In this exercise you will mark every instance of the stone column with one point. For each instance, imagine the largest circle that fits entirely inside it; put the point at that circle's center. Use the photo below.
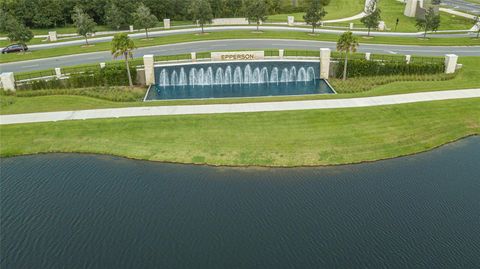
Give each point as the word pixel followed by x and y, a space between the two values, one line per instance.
pixel 324 63
pixel 281 53
pixel 166 23
pixel 381 26
pixel 290 20
pixel 58 72
pixel 131 28
pixel 194 56
pixel 52 36
pixel 450 63
pixel 408 58
pixel 410 8
pixel 148 64
pixel 8 81
pixel 367 56
pixel 351 26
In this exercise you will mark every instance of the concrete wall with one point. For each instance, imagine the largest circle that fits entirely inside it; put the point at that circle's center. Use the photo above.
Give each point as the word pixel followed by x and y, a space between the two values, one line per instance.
pixel 229 21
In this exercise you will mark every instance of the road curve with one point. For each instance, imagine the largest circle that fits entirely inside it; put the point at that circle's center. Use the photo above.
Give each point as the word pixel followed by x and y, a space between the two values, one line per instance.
pixel 172 49
pixel 236 28
pixel 238 108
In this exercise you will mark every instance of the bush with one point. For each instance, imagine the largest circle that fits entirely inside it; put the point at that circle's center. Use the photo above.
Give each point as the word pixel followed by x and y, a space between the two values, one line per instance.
pixel 109 76
pixel 360 68
pixel 116 94
pixel 362 84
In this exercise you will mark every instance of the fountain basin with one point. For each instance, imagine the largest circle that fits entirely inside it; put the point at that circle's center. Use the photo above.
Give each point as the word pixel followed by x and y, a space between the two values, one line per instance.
pixel 237 79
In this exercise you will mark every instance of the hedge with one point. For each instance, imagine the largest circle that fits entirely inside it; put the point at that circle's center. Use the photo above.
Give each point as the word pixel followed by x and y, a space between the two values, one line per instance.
pixel 359 68
pixel 108 76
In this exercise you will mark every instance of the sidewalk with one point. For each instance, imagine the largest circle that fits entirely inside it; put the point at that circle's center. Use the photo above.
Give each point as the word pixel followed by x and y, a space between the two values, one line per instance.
pixel 238 108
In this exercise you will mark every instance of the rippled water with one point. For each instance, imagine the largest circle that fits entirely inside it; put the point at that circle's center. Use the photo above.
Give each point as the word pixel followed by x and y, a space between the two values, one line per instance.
pixel 87 211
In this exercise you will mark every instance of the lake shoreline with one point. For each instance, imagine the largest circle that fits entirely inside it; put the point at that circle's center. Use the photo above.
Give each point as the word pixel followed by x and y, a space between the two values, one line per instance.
pixel 247 166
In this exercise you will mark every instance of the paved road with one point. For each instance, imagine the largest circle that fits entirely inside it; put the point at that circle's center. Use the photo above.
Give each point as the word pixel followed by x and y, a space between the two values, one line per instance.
pixel 237 108
pixel 463 5
pixel 172 49
pixel 236 28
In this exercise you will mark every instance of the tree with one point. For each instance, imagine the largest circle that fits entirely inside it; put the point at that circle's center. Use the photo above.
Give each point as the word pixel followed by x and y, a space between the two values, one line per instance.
pixel 47 13
pixel 144 19
pixel 347 43
pixel 84 24
pixel 256 11
pixel 201 12
pixel 315 14
pixel 122 45
pixel 17 32
pixel 373 17
pixel 476 22
pixel 431 22
pixel 114 17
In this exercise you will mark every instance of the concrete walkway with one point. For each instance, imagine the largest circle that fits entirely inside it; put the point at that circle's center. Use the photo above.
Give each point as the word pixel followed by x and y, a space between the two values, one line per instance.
pixel 352 18
pixel 238 108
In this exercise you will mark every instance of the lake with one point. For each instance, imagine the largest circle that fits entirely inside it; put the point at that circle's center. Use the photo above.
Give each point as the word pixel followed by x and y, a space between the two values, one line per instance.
pixel 93 211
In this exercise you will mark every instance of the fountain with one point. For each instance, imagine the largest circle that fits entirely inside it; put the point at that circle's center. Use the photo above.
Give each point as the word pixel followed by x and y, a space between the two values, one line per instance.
pixel 235 79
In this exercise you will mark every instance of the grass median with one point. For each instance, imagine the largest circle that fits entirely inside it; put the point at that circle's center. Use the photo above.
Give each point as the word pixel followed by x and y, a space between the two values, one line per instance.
pixel 296 138
pixel 240 34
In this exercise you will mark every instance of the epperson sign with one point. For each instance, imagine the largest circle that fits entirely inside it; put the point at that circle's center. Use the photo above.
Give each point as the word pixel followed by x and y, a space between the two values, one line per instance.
pixel 238 56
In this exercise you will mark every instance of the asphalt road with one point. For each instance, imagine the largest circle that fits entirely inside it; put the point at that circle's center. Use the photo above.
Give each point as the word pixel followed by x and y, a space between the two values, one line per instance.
pixel 220 45
pixel 462 5
pixel 237 28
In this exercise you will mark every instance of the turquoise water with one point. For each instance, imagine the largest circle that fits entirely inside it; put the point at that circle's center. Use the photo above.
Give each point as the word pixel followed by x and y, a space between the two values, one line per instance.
pixel 237 79
pixel 93 211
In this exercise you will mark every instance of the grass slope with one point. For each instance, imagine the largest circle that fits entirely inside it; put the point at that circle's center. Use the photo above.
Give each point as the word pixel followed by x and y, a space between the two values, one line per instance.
pixel 314 137
pixel 337 9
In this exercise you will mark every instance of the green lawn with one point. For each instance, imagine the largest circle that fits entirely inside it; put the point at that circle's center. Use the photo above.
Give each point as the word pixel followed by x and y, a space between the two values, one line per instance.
pixel 337 9
pixel 392 9
pixel 314 137
pixel 241 34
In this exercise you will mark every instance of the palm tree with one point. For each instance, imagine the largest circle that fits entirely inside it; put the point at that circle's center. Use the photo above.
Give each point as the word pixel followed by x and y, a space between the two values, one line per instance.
pixel 347 43
pixel 122 45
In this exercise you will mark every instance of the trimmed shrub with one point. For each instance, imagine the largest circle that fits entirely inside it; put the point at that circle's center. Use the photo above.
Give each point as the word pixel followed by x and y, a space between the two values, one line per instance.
pixel 117 94
pixel 115 75
pixel 361 68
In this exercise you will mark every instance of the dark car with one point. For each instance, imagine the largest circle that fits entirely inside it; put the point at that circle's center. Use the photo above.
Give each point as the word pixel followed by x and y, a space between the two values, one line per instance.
pixel 14 48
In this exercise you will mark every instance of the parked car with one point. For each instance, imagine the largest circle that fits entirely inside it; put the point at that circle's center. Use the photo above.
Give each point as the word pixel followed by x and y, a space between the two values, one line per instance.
pixel 14 48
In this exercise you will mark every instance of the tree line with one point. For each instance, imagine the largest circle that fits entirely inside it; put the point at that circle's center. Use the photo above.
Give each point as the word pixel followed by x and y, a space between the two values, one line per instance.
pixel 118 13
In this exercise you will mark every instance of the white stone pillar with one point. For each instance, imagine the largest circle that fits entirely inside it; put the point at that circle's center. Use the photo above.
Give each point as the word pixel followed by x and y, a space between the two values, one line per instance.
pixel 52 36
pixel 166 23
pixel 8 81
pixel 351 26
pixel 381 26
pixel 281 52
pixel 367 56
pixel 324 63
pixel 102 65
pixel 450 63
pixel 148 64
pixel 410 8
pixel 194 56
pixel 58 72
pixel 131 28
pixel 408 58
pixel 291 20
